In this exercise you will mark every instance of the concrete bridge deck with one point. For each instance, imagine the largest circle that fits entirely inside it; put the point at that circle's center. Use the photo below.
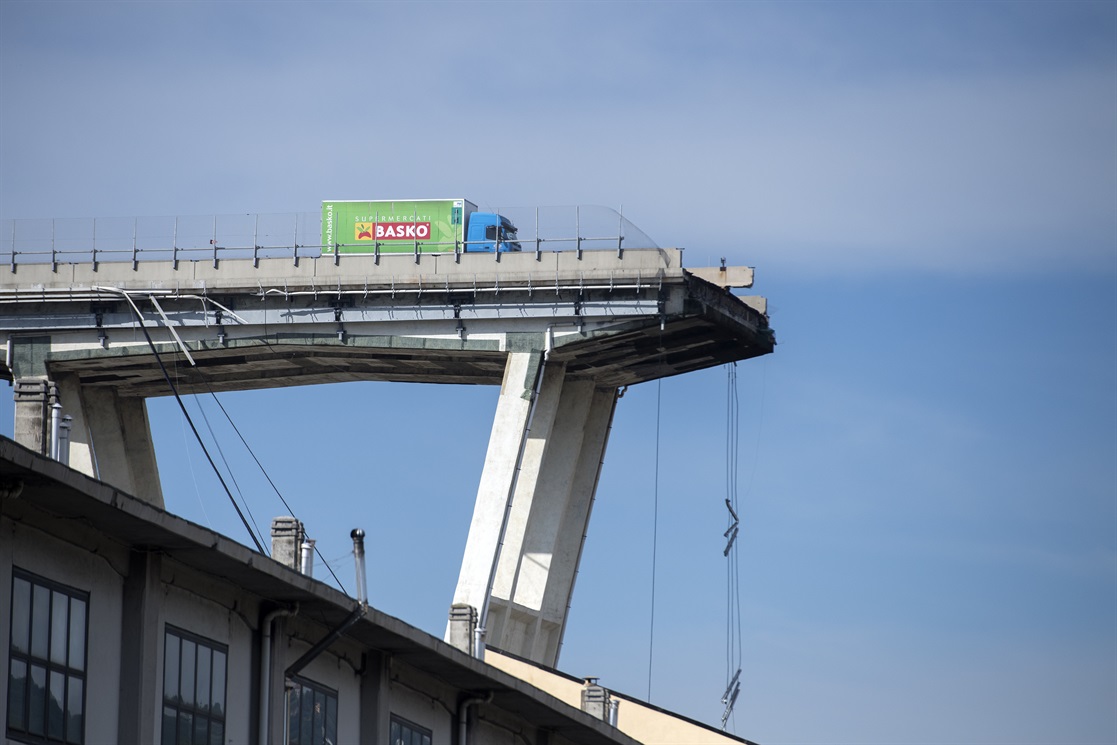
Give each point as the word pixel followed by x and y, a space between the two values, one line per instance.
pixel 618 321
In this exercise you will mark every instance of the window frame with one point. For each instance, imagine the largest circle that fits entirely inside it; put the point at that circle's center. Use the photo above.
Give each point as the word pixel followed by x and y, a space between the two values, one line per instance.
pixel 300 683
pixel 425 735
pixel 53 669
pixel 192 709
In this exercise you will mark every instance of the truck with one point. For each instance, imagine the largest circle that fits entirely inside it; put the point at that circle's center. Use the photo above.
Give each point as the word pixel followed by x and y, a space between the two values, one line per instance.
pixel 413 226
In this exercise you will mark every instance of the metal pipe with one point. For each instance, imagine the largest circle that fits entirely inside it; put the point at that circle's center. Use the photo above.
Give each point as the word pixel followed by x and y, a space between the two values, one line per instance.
pixel 265 670
pixel 55 426
pixel 358 537
pixel 463 714
pixel 307 560
pixel 64 439
pixel 479 641
pixel 294 668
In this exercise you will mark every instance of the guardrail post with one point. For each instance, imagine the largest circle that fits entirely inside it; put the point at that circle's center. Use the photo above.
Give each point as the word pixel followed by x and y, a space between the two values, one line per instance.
pixel 295 240
pixel 578 231
pixel 620 233
pixel 538 243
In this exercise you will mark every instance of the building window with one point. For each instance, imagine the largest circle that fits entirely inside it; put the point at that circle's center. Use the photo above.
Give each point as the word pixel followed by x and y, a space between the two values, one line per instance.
pixel 193 689
pixel 406 733
pixel 312 714
pixel 46 667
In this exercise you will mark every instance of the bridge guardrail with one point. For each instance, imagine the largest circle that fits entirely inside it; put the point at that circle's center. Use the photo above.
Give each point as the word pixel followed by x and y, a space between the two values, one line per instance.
pixel 258 236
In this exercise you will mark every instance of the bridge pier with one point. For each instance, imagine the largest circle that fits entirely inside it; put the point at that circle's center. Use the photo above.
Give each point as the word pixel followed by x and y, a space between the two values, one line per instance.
pixel 110 437
pixel 545 452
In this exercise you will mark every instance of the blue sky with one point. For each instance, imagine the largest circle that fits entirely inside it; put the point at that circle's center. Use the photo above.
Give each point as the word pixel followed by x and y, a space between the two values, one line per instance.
pixel 928 192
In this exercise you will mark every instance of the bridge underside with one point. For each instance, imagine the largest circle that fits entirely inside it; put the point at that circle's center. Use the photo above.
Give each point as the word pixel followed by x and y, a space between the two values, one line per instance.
pixel 560 339
pixel 624 354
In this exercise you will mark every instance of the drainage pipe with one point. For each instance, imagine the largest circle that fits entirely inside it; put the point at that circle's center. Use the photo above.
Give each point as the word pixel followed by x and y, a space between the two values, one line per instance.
pixel 265 669
pixel 463 714
pixel 64 439
pixel 55 426
pixel 358 613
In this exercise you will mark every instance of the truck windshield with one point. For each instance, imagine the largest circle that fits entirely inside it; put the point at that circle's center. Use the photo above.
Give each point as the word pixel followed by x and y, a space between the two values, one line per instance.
pixel 508 234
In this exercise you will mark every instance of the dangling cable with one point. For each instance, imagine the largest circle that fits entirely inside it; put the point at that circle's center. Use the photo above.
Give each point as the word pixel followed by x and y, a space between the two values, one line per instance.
pixel 228 468
pixel 185 413
pixel 276 489
pixel 732 573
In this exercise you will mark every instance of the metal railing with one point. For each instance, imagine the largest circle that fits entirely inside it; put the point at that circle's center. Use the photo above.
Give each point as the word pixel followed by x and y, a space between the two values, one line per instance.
pixel 292 236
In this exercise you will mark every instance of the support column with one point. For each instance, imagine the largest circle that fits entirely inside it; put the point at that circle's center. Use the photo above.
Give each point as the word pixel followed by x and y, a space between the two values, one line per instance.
pixel 375 689
pixel 277 695
pixel 141 647
pixel 110 438
pixel 571 537
pixel 537 557
pixel 513 410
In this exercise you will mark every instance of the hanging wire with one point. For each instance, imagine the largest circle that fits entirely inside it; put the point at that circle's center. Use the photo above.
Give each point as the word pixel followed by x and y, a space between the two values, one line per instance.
pixel 276 489
pixel 228 468
pixel 732 574
pixel 185 413
pixel 655 530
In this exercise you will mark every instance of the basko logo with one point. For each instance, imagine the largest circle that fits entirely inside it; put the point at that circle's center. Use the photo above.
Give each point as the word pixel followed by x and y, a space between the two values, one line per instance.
pixel 392 231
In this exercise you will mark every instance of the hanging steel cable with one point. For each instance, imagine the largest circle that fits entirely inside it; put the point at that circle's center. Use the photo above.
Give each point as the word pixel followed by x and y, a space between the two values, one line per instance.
pixel 732 573
pixel 276 488
pixel 228 468
pixel 190 421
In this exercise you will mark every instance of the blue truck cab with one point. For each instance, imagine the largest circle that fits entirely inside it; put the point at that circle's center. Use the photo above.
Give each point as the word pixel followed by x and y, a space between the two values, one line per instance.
pixel 490 232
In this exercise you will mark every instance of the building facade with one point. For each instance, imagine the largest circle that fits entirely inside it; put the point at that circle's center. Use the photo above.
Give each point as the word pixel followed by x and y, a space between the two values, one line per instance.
pixel 122 623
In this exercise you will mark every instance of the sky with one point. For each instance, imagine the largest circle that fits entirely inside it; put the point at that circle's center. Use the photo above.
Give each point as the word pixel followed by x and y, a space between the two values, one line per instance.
pixel 928 191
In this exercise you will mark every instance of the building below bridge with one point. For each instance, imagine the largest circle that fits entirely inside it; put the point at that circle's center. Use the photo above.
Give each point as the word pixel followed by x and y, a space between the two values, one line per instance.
pixel 123 623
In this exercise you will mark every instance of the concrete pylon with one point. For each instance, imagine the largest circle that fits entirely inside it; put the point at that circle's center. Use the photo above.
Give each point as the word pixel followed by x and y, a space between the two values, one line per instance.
pixel 110 438
pixel 533 504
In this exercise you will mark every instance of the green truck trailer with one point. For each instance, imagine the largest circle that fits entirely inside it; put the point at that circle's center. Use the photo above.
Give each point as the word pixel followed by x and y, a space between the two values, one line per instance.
pixel 413 226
